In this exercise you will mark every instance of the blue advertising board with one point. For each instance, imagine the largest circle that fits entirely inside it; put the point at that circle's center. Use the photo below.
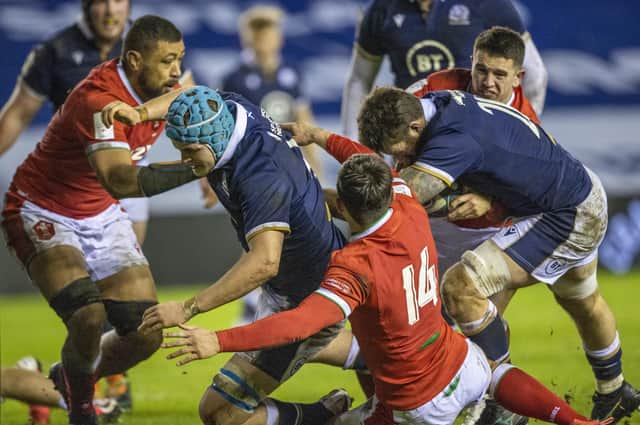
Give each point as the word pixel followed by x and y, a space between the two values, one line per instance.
pixel 591 50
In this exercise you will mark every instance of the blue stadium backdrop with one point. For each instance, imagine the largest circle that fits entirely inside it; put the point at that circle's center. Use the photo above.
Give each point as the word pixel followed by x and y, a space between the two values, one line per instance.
pixel 591 50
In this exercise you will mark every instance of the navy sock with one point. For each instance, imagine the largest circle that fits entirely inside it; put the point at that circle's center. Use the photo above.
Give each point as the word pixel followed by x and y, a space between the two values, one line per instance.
pixel 493 340
pixel 606 369
pixel 301 414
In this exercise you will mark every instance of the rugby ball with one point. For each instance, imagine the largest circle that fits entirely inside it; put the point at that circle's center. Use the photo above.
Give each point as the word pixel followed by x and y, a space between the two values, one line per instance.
pixel 440 204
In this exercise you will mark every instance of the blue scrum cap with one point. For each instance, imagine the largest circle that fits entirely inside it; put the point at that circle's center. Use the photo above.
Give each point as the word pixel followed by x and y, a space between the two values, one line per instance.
pixel 200 115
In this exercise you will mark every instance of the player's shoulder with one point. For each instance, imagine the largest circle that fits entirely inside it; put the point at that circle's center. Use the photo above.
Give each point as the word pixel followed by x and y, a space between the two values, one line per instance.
pixel 103 82
pixel 238 71
pixel 405 205
pixel 354 257
pixel 68 39
pixel 450 79
pixel 521 103
pixel 379 9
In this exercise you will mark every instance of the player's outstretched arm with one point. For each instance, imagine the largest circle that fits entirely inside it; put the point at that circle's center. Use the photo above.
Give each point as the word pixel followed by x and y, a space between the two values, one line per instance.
pixel 313 314
pixel 254 268
pixel 152 110
pixel 17 114
pixel 122 179
pixel 305 133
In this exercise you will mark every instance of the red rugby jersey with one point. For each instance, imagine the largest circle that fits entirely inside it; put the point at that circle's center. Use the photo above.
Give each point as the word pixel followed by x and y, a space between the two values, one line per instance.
pixel 57 174
pixel 460 79
pixel 386 281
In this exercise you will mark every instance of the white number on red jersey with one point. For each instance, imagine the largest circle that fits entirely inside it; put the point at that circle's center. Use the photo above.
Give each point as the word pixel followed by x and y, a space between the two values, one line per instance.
pixel 426 290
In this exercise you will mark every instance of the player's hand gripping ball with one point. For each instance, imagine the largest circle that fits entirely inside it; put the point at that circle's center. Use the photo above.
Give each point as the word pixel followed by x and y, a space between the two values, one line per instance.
pixel 439 206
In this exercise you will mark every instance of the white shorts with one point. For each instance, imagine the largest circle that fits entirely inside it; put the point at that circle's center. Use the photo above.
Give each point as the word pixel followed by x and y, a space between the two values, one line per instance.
pixel 469 385
pixel 548 245
pixel 106 240
pixel 136 208
pixel 452 241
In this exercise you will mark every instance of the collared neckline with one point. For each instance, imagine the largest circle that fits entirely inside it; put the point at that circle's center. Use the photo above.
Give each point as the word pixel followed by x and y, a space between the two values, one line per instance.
pixel 127 83
pixel 374 227
pixel 239 130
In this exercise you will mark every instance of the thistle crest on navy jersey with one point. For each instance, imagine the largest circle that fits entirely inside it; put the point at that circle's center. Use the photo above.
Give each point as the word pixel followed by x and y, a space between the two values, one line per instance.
pixel 419 45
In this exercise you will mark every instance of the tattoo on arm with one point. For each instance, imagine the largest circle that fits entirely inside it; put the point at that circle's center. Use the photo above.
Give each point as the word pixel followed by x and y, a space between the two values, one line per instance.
pixel 423 184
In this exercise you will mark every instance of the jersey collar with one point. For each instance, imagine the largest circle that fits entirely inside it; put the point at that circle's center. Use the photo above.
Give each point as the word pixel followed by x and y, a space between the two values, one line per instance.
pixel 375 226
pixel 127 84
pixel 512 98
pixel 238 134
pixel 429 109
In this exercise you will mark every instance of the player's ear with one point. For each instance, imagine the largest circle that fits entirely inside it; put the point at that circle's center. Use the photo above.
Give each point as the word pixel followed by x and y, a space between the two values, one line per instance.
pixel 133 59
pixel 417 125
pixel 519 76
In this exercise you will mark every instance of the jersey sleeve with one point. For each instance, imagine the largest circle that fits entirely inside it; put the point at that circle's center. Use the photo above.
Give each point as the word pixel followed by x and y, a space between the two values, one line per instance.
pixel 448 156
pixel 312 315
pixel 94 135
pixel 419 88
pixel 344 288
pixel 265 199
pixel 36 71
pixel 369 33
pixel 503 13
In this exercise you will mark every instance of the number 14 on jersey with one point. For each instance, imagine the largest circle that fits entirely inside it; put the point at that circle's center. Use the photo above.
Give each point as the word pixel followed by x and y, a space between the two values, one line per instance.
pixel 426 290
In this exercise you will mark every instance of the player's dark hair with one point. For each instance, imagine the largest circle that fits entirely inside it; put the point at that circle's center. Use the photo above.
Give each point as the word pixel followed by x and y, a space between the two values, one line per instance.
pixel 386 115
pixel 502 42
pixel 259 23
pixel 364 186
pixel 147 31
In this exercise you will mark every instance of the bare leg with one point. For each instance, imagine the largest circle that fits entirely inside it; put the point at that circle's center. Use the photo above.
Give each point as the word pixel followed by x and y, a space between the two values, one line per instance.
pixel 28 386
pixel 120 353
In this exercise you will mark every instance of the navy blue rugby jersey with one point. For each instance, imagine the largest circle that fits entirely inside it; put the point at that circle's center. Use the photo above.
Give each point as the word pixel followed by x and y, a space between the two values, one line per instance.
pixel 444 39
pixel 497 150
pixel 264 183
pixel 54 67
pixel 277 95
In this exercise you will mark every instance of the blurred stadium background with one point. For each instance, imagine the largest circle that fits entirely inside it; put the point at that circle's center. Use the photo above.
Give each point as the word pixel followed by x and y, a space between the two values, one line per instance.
pixel 592 52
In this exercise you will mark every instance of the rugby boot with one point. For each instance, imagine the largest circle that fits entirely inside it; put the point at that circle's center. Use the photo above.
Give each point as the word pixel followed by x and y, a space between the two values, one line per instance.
pixel 56 374
pixel 337 401
pixel 618 404
pixel 494 414
pixel 107 410
pixel 39 415
pixel 119 387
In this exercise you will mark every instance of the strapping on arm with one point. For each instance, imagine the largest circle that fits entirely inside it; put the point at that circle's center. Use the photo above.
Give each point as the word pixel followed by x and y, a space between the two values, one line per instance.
pixel 158 178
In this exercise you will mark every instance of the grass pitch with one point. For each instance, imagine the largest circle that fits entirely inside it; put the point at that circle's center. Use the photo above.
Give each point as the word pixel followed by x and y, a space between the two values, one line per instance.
pixel 543 342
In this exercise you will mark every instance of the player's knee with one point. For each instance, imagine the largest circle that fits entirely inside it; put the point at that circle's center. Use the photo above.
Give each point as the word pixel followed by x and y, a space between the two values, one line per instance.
pixel 74 297
pixel 212 413
pixel 146 344
pixel 241 398
pixel 457 287
pixel 87 321
pixel 126 316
